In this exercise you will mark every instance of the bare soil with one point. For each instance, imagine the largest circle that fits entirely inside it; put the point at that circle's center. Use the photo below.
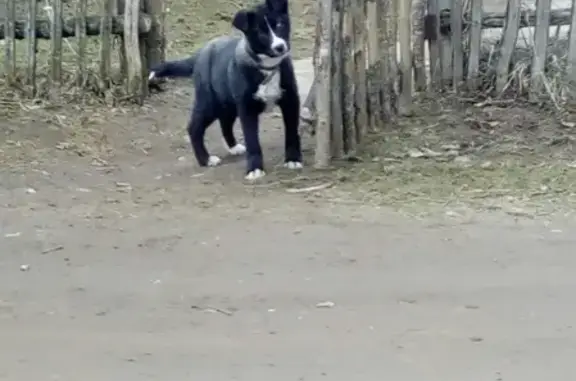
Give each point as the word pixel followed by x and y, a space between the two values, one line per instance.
pixel 445 254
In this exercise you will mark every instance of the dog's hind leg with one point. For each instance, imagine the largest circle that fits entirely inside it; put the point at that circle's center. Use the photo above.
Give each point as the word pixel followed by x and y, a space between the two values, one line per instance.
pixel 227 120
pixel 202 117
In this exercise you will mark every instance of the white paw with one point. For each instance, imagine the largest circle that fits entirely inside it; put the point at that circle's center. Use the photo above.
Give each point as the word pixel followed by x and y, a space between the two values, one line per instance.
pixel 238 149
pixel 151 75
pixel 293 165
pixel 255 174
pixel 214 161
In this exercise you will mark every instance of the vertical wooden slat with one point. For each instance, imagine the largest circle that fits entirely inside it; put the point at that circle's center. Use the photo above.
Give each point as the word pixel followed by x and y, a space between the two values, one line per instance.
pixel 81 9
pixel 418 58
pixel 404 29
pixel 32 45
pixel 322 154
pixel 388 58
pixel 337 134
pixel 144 50
pixel 445 49
pixel 106 42
pixel 571 64
pixel 10 41
pixel 155 40
pixel 348 86
pixel 540 45
pixel 56 42
pixel 393 53
pixel 373 77
pixel 361 121
pixel 120 6
pixel 134 74
pixel 434 45
pixel 457 39
pixel 507 44
pixel 475 44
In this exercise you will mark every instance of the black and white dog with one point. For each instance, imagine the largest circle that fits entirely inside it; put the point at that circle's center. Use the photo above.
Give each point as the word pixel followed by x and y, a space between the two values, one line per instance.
pixel 240 77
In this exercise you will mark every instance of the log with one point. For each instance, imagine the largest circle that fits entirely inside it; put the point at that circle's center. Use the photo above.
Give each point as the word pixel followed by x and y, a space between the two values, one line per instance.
pixel 498 20
pixel 69 27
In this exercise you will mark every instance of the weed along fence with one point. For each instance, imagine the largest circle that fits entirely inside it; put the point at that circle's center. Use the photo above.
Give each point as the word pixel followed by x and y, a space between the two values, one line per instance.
pixel 51 45
pixel 373 56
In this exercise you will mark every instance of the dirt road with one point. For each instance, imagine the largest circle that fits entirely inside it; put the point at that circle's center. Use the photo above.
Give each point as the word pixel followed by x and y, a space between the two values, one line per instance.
pixel 232 292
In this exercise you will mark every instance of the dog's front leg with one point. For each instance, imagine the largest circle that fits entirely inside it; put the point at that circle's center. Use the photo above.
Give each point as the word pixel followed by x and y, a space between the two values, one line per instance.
pixel 290 107
pixel 250 128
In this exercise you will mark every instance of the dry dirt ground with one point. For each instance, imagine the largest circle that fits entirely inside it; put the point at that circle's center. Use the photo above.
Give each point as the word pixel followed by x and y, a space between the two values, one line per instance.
pixel 120 259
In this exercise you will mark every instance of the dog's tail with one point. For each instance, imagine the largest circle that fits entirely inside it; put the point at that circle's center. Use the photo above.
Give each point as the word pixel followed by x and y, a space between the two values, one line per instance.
pixel 174 69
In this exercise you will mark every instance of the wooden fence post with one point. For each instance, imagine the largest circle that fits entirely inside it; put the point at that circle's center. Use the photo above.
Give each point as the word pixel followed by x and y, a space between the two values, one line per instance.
pixel 418 55
pixel 10 47
pixel 571 69
pixel 508 44
pixel 32 44
pixel 475 44
pixel 457 39
pixel 336 84
pixel 323 86
pixel 434 46
pixel 56 42
pixel 134 80
pixel 156 39
pixel 540 45
pixel 80 28
pixel 375 62
pixel 361 120
pixel 106 43
pixel 404 29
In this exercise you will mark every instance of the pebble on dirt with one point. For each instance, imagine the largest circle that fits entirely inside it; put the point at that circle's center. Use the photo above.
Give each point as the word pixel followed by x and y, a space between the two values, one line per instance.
pixel 326 304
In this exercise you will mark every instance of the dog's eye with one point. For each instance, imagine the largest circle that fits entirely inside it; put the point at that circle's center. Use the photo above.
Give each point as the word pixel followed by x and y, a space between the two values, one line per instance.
pixel 279 25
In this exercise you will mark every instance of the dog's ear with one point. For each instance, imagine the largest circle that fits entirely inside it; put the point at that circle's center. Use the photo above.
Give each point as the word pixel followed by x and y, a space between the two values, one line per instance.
pixel 243 20
pixel 278 5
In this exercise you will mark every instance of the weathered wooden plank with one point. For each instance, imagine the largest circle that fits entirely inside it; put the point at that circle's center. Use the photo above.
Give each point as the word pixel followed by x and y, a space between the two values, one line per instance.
pixel 361 120
pixel 540 45
pixel 404 38
pixel 434 44
pixel 457 40
pixel 348 85
pixel 571 61
pixel 56 42
pixel 156 38
pixel 508 44
pixel 106 43
pixel 10 46
pixel 475 44
pixel 80 33
pixel 323 92
pixel 445 41
pixel 134 80
pixel 32 45
pixel 373 75
pixel 43 27
pixel 418 43
pixel 498 19
pixel 336 50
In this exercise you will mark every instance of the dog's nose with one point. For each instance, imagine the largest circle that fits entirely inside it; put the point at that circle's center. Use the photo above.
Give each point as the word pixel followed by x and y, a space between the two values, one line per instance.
pixel 279 49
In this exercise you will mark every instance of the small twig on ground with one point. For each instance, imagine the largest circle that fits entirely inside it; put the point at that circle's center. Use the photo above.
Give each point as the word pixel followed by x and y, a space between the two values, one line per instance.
pixel 53 249
pixel 309 189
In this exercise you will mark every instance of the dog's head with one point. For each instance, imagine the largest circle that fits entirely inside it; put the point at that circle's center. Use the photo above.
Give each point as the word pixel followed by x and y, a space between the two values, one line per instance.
pixel 266 28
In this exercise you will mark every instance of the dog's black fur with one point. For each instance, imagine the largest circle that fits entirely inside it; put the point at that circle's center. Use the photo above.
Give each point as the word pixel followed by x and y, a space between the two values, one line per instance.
pixel 229 73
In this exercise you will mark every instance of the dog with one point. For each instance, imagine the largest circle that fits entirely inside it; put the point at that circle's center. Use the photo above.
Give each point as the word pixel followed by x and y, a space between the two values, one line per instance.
pixel 242 77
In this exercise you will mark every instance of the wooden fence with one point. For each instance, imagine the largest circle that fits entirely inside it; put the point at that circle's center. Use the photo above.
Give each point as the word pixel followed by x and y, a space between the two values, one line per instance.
pixel 138 24
pixel 370 60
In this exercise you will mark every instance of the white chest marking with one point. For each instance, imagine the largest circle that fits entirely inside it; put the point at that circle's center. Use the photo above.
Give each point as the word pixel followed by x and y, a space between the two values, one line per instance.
pixel 269 91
